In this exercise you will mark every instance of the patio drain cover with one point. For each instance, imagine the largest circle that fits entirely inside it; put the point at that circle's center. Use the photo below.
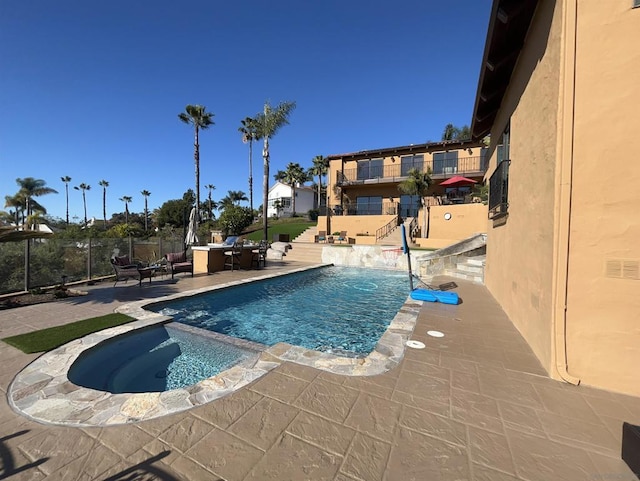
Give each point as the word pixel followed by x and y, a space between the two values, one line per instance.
pixel 415 344
pixel 435 333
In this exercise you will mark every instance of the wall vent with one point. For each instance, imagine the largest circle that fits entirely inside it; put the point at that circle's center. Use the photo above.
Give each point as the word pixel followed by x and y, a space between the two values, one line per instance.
pixel 622 269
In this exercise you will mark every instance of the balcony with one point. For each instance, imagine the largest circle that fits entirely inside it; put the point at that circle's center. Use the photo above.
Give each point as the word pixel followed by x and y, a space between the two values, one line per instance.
pixel 388 174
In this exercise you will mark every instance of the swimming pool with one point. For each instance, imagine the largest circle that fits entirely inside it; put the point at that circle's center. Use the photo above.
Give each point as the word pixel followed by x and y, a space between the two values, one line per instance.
pixel 156 359
pixel 42 390
pixel 338 310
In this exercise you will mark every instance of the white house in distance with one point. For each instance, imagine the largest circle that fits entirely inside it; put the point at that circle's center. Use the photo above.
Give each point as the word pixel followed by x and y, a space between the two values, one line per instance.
pixel 305 200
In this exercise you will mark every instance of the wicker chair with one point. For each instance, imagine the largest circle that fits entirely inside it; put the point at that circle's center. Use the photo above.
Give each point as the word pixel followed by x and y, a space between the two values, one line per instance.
pixel 178 262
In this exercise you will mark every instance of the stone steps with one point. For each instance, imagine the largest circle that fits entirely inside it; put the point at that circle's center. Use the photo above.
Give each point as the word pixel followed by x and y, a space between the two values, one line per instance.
pixel 308 235
pixel 469 268
pixel 305 252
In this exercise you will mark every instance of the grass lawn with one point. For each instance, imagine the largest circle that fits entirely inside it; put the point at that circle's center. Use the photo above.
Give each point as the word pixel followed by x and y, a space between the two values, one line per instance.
pixel 48 339
pixel 293 226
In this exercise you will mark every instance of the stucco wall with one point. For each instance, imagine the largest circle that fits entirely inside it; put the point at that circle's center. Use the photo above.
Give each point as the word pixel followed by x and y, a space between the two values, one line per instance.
pixel 603 327
pixel 465 220
pixel 520 252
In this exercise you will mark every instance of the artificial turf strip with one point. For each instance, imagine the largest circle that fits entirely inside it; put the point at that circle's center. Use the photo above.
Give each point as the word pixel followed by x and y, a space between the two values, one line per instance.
pixel 48 339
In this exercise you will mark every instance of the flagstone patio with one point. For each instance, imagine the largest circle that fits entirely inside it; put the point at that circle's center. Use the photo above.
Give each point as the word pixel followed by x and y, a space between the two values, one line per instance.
pixel 474 405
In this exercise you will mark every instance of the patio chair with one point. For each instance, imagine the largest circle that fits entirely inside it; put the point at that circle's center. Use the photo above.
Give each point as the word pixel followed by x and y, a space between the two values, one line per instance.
pixel 259 255
pixel 178 262
pixel 125 269
pixel 232 256
pixel 342 237
pixel 322 236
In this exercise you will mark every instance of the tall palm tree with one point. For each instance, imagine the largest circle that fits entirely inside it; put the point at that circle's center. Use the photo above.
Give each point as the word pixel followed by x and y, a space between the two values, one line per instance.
pixel 84 188
pixel 126 199
pixel 197 116
pixel 210 188
pixel 417 183
pixel 104 184
pixel 30 188
pixel 268 122
pixel 249 131
pixel 294 175
pixel 66 179
pixel 320 168
pixel 145 194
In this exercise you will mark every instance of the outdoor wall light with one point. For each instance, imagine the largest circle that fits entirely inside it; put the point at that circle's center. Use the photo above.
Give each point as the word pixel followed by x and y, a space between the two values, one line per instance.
pixel 447 216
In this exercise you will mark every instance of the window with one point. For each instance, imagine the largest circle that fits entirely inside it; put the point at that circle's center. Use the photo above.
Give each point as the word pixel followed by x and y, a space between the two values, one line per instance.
pixel 409 205
pixel 499 180
pixel 445 162
pixel 498 190
pixel 409 162
pixel 369 205
pixel 369 169
pixel 284 202
pixel 636 3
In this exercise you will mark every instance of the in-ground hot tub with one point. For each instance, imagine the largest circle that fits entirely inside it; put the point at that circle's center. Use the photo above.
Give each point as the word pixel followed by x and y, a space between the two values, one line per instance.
pixel 158 358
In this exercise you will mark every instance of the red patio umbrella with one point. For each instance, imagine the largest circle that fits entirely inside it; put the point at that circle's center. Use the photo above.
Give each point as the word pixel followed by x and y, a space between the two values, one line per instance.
pixel 457 181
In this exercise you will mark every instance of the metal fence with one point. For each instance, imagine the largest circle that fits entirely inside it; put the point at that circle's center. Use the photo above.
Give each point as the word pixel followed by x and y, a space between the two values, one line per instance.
pixel 47 262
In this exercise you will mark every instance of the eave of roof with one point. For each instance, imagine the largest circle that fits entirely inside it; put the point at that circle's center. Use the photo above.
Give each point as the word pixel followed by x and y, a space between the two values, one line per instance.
pixel 408 149
pixel 508 26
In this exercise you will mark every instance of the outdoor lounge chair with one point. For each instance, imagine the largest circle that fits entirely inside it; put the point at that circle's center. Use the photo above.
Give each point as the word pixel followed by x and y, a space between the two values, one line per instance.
pixel 125 269
pixel 342 237
pixel 322 236
pixel 178 262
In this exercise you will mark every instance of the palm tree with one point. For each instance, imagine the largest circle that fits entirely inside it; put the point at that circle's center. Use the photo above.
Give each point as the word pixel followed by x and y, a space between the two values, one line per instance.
pixel 320 168
pixel 18 202
pixel 210 188
pixel 145 194
pixel 84 187
pixel 126 199
pixel 104 184
pixel 292 176
pixel 30 188
pixel 248 129
pixel 417 183
pixel 235 197
pixel 66 179
pixel 268 122
pixel 197 116
pixel 451 132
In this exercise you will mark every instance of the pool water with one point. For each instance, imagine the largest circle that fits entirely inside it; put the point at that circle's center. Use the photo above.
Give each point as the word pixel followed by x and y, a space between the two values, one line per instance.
pixel 154 359
pixel 340 310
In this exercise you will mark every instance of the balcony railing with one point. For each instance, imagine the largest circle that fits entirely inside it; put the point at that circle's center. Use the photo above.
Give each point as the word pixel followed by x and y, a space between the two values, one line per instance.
pixel 378 208
pixel 395 173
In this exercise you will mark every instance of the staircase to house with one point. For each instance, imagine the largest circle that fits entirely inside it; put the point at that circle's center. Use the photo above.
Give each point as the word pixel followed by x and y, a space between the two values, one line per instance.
pixel 394 238
pixel 304 248
pixel 468 268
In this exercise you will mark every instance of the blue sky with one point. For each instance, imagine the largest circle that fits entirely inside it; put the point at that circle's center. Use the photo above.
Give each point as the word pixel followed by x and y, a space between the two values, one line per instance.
pixel 92 90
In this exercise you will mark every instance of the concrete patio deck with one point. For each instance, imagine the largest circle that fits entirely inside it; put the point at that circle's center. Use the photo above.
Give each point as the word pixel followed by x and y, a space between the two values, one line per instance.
pixel 474 405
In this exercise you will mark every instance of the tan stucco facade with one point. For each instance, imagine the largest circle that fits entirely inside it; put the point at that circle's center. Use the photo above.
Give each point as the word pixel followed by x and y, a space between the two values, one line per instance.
pixel 345 187
pixel 564 262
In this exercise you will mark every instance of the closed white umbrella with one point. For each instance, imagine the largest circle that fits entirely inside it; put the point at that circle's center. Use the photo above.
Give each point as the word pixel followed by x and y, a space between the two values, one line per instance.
pixel 192 237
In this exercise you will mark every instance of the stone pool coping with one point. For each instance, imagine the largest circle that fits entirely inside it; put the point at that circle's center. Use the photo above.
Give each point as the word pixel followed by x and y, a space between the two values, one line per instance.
pixel 43 392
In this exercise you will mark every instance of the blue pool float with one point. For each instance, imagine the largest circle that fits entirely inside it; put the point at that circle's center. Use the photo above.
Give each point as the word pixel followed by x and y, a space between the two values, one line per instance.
pixel 434 296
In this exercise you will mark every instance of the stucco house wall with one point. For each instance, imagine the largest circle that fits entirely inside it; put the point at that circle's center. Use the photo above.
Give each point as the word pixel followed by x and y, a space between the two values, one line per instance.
pixel 564 263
